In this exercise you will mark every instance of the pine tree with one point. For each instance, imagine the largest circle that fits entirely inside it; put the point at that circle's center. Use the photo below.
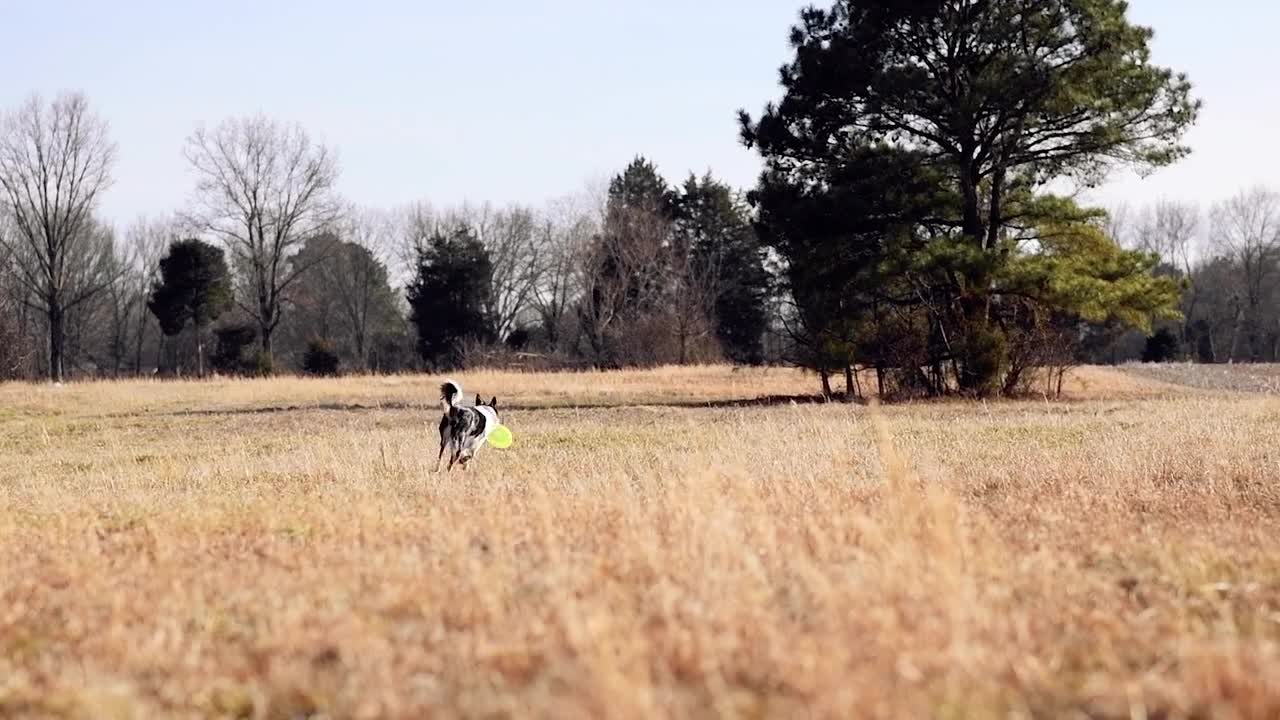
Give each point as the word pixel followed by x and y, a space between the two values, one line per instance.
pixel 448 295
pixel 194 288
pixel 992 120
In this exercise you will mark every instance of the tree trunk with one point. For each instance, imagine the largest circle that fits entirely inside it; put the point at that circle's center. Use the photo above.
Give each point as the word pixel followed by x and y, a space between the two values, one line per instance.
pixel 361 356
pixel 1255 352
pixel 848 382
pixel 138 340
pixel 57 340
pixel 1235 336
pixel 826 384
pixel 199 352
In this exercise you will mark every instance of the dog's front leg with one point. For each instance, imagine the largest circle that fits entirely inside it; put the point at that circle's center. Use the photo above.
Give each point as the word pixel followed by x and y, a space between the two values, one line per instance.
pixel 440 457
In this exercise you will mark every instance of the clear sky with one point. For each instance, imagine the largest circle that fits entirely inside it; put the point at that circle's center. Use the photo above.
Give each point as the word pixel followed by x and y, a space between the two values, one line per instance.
pixel 509 101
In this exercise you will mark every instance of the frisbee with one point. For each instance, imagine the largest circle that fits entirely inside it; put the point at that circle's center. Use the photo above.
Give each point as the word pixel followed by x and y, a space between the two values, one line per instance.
pixel 501 437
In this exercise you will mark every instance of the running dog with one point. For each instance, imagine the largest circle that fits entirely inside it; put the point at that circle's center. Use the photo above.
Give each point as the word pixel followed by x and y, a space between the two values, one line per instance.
pixel 463 430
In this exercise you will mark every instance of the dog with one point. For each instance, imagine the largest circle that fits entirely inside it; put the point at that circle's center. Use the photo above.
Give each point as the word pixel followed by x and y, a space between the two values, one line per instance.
pixel 464 430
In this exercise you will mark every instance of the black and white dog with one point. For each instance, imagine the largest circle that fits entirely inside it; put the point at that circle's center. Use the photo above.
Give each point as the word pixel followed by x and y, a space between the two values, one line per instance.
pixel 463 430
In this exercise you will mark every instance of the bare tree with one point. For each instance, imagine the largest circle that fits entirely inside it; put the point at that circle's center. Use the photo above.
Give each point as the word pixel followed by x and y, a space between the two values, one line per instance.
pixel 621 278
pixel 55 160
pixel 17 346
pixel 147 240
pixel 137 261
pixel 355 272
pixel 692 282
pixel 511 237
pixel 1171 230
pixel 564 237
pixel 263 188
pixel 1246 230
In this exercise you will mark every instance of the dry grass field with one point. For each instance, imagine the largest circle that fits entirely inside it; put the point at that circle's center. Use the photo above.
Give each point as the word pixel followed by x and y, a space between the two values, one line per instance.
pixel 654 545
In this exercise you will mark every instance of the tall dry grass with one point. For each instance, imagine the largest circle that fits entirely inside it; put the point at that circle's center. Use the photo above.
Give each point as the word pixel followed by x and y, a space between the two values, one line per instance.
pixel 280 549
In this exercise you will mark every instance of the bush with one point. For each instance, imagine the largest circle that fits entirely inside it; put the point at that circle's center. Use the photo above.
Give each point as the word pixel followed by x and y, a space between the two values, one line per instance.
pixel 229 354
pixel 321 358
pixel 984 354
pixel 1162 347
pixel 261 364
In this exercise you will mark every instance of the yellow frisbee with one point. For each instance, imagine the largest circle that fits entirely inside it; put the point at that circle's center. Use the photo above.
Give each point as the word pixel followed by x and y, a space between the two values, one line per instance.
pixel 501 437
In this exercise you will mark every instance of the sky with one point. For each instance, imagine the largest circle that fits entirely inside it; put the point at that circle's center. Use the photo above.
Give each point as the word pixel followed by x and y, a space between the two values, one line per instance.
pixel 524 102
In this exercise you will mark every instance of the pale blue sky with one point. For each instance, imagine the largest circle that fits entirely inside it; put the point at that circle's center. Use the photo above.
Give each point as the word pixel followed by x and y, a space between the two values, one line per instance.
pixel 525 101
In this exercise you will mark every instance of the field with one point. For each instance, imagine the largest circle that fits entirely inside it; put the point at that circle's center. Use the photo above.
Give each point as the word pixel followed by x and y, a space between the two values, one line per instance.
pixel 672 543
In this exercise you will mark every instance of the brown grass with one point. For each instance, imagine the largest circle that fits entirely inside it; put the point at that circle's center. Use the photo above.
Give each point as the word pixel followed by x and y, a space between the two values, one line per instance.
pixel 277 549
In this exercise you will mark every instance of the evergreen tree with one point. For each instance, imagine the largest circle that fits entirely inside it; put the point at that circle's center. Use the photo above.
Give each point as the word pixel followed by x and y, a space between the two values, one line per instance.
pixel 992 120
pixel 448 295
pixel 194 288
pixel 714 227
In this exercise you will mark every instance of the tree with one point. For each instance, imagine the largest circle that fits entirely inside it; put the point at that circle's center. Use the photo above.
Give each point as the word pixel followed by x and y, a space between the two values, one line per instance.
pixel 194 287
pixel 147 240
pixel 55 160
pixel 346 294
pixel 511 237
pixel 1246 230
pixel 624 271
pixel 229 352
pixel 17 346
pixel 448 297
pixel 1171 231
pixel 564 237
pixel 998 99
pixel 720 253
pixel 263 188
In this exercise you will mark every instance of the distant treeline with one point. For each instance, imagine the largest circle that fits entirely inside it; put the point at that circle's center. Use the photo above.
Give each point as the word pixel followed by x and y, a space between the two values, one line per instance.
pixel 903 224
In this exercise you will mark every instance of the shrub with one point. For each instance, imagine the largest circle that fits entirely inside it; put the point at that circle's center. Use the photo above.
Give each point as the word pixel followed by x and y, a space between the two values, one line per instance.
pixel 1162 347
pixel 229 354
pixel 321 358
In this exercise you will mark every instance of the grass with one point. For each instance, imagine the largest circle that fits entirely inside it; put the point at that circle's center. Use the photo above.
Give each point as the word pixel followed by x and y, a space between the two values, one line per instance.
pixel 655 545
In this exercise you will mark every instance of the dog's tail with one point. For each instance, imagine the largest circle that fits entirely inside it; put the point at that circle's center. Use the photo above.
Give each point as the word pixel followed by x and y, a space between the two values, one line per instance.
pixel 450 394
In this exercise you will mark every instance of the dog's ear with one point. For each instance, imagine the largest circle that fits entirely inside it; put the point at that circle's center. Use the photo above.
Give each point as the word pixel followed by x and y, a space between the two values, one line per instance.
pixel 494 402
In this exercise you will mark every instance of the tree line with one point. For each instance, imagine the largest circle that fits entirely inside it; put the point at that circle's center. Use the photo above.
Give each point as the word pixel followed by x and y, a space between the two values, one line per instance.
pixel 914 225
pixel 268 269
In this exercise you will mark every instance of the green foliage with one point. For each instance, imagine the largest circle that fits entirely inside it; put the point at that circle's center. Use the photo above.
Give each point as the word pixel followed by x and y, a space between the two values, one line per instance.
pixel 263 364
pixel 640 185
pixel 904 161
pixel 1077 269
pixel 714 225
pixel 448 295
pixel 194 286
pixel 229 351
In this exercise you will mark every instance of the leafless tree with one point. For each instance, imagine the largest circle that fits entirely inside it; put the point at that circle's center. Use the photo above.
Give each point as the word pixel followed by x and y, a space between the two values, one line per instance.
pixel 693 288
pixel 147 240
pixel 137 261
pixel 17 346
pixel 564 236
pixel 1246 230
pixel 356 274
pixel 263 188
pixel 511 237
pixel 55 160
pixel 621 280
pixel 1171 230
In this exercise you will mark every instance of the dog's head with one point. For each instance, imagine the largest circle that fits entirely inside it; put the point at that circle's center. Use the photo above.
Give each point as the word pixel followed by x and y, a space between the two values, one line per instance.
pixel 492 404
